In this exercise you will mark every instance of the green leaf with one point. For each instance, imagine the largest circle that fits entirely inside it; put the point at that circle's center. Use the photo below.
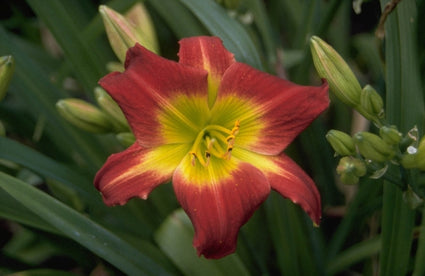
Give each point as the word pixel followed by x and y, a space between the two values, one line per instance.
pixel 180 20
pixel 81 52
pixel 12 209
pixel 405 109
pixel 174 237
pixel 356 253
pixel 126 218
pixel 294 240
pixel 31 85
pixel 220 24
pixel 82 230
pixel 47 167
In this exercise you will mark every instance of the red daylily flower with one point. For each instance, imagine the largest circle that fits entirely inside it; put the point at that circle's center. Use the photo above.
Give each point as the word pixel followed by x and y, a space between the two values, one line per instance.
pixel 217 129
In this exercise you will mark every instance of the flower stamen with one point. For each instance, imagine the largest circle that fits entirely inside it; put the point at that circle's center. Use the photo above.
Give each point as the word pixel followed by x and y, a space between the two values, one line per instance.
pixel 215 143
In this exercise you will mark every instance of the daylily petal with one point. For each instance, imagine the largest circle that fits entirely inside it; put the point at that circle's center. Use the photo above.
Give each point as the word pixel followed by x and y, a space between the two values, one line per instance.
pixel 136 171
pixel 207 53
pixel 293 183
pixel 283 109
pixel 148 86
pixel 219 208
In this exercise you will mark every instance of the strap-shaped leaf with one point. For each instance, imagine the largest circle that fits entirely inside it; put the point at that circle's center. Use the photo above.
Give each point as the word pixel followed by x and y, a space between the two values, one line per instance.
pixel 81 229
pixel 220 24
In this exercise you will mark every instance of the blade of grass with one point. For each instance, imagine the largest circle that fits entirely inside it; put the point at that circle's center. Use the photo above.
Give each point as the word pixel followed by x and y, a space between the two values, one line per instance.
pixel 126 218
pixel 294 249
pixel 86 62
pixel 180 20
pixel 261 19
pixel 82 230
pixel 234 36
pixel 365 202
pixel 404 108
pixel 354 254
pixel 11 209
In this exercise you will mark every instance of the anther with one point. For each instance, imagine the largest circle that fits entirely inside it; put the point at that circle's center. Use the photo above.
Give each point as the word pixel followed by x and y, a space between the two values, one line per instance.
pixel 207 156
pixel 193 158
pixel 228 153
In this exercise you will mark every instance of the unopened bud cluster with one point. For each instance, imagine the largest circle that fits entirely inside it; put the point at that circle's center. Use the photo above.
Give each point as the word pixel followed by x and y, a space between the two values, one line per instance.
pixel 362 150
pixel 366 152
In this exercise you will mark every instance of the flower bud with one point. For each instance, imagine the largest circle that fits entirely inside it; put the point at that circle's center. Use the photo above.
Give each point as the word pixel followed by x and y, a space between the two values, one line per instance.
pixel 372 104
pixel 7 66
pixel 373 147
pixel 341 142
pixel 351 169
pixel 123 33
pixel 415 157
pixel 390 135
pixel 111 108
pixel 84 115
pixel 330 65
pixel 126 138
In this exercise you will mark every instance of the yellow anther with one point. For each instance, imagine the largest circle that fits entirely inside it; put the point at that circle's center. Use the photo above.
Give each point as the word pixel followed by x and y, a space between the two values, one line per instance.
pixel 235 129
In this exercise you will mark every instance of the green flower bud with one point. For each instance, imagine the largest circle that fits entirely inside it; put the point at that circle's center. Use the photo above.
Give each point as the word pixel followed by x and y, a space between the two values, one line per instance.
pixel 373 147
pixel 390 135
pixel 140 18
pixel 123 33
pixel 331 66
pixel 415 157
pixel 126 138
pixel 111 108
pixel 372 105
pixel 7 67
pixel 341 142
pixel 84 115
pixel 350 170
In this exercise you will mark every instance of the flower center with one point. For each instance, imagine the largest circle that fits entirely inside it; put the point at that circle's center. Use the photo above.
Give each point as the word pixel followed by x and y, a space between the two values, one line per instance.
pixel 213 140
